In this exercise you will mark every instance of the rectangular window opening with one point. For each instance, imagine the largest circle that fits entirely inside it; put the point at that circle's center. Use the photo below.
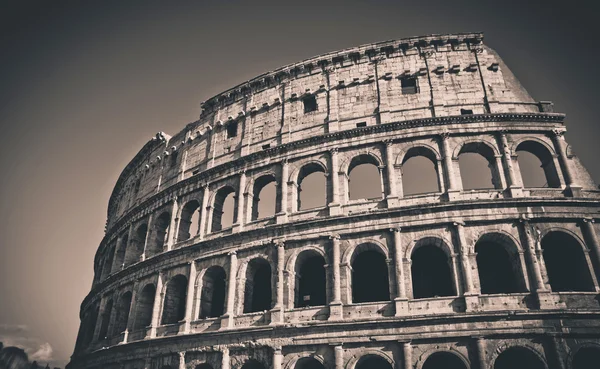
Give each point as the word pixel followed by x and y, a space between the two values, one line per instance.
pixel 361 124
pixel 310 103
pixel 264 147
pixel 232 129
pixel 466 111
pixel 409 85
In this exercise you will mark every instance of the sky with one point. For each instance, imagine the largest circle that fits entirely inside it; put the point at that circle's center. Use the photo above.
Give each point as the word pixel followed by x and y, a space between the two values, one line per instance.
pixel 84 85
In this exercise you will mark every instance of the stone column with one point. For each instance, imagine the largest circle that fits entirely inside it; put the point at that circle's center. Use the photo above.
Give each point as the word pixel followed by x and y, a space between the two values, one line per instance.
pixel 282 215
pixel 452 188
pixel 392 195
pixel 189 304
pixel 277 311
pixel 480 353
pixel 572 187
pixel 277 357
pixel 225 360
pixel 335 306
pixel 588 228
pixel 173 225
pixel 182 360
pixel 334 205
pixel 407 355
pixel 148 237
pixel 557 355
pixel 464 258
pixel 227 319
pixel 158 298
pixel 400 301
pixel 543 295
pixel 240 201
pixel 205 209
pixel 338 352
pixel 131 317
pixel 514 189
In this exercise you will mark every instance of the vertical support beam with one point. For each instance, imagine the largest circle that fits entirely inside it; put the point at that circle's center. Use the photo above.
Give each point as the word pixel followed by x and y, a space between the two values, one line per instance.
pixel 557 352
pixel 148 238
pixel 189 304
pixel 132 316
pixel 592 238
pixel 392 193
pixel 334 205
pixel 533 259
pixel 158 298
pixel 277 357
pixel 335 306
pixel 400 301
pixel 283 183
pixel 227 319
pixel 205 209
pixel 407 355
pixel 278 309
pixel 225 359
pixel 464 258
pixel 480 351
pixel 338 352
pixel 182 360
pixel 240 201
pixel 513 187
pixel 173 228
pixel 572 187
pixel 452 188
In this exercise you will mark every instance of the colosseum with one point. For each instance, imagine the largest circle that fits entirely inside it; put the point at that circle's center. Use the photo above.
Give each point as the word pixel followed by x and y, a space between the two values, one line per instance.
pixel 194 273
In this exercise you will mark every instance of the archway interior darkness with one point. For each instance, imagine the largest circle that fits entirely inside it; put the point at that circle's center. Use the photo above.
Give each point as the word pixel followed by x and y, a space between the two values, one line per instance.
pixel 137 245
pixel 496 269
pixel 373 362
pixel 224 212
pixel 91 325
pixel 308 363
pixel 264 197
pixel 189 221
pixel 122 316
pixel 370 277
pixel 212 299
pixel 361 167
pixel 253 364
pixel 120 252
pixel 258 286
pixel 311 281
pixel 518 357
pixel 105 320
pixel 312 187
pixel 419 172
pixel 587 358
pixel 565 263
pixel 175 299
pixel 143 311
pixel 204 366
pixel 161 229
pixel 431 274
pixel 536 165
pixel 445 360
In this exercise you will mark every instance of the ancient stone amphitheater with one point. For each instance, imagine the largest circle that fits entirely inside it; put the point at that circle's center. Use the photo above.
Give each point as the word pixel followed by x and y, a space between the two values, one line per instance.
pixel 193 272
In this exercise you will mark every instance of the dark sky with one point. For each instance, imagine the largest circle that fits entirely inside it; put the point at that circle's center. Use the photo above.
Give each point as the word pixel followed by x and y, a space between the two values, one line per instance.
pixel 83 86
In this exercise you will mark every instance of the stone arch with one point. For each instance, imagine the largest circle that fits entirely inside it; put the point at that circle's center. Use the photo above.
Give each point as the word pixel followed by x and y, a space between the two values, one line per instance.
pixel 376 189
pixel 293 359
pixel 431 238
pixel 584 356
pixel 252 363
pixel 420 170
pixel 499 263
pixel 566 261
pixel 144 306
pixel 310 278
pixel 105 319
pixel 432 269
pixel 136 244
pixel 189 220
pixel 310 168
pixel 490 149
pixel 483 149
pixel 421 148
pixel 506 357
pixel 436 358
pixel 217 203
pixel 123 309
pixel 364 156
pixel 255 188
pixel 212 288
pixel 545 155
pixel 370 275
pixel 257 299
pixel 355 360
pixel 160 230
pixel 173 306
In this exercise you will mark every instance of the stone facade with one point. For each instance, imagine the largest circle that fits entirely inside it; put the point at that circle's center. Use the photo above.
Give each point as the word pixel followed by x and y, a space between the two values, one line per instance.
pixel 458 277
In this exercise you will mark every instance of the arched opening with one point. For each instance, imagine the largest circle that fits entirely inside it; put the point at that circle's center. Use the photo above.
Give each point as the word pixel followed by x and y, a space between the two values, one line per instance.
pixel 369 275
pixel 264 197
pixel 120 252
pixel 364 180
pixel 419 172
pixel 431 273
pixel 105 320
pixel 137 245
pixel 308 363
pixel 499 269
pixel 253 364
pixel 108 261
pixel 257 296
pixel 566 263
pixel 189 221
pixel 373 362
pixel 518 357
pixel 212 298
pixel 122 316
pixel 312 187
pixel 476 161
pixel 90 326
pixel 224 212
pixel 587 357
pixel 310 280
pixel 536 165
pixel 204 366
pixel 161 229
pixel 174 303
pixel 444 360
pixel 144 306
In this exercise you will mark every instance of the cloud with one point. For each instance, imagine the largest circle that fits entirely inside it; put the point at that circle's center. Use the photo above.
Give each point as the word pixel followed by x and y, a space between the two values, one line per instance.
pixel 43 353
pixel 19 335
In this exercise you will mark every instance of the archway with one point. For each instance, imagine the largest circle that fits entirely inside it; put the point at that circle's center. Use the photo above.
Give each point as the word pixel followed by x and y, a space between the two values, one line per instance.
pixel 189 221
pixel 310 280
pixel 144 306
pixel 370 281
pixel 566 263
pixel 431 273
pixel 257 296
pixel 372 362
pixel 212 300
pixel 518 357
pixel 587 357
pixel 312 187
pixel 364 179
pixel 444 360
pixel 174 302
pixel 499 270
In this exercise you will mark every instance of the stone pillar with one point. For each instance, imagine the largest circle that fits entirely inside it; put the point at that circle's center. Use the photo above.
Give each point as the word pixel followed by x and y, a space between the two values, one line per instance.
pixel 334 205
pixel 572 187
pixel 590 232
pixel 182 360
pixel 335 306
pixel 514 189
pixel 282 215
pixel 277 311
pixel 277 357
pixel 173 225
pixel 392 195
pixel 189 304
pixel 131 317
pixel 205 209
pixel 452 187
pixel 240 201
pixel 464 261
pixel 225 360
pixel 480 352
pixel 148 237
pixel 541 292
pixel 400 301
pixel 158 298
pixel 227 319
pixel 338 352
pixel 557 352
pixel 407 355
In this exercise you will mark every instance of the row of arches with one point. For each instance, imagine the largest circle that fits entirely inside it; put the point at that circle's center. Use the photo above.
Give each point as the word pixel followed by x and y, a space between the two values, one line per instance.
pixel 586 357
